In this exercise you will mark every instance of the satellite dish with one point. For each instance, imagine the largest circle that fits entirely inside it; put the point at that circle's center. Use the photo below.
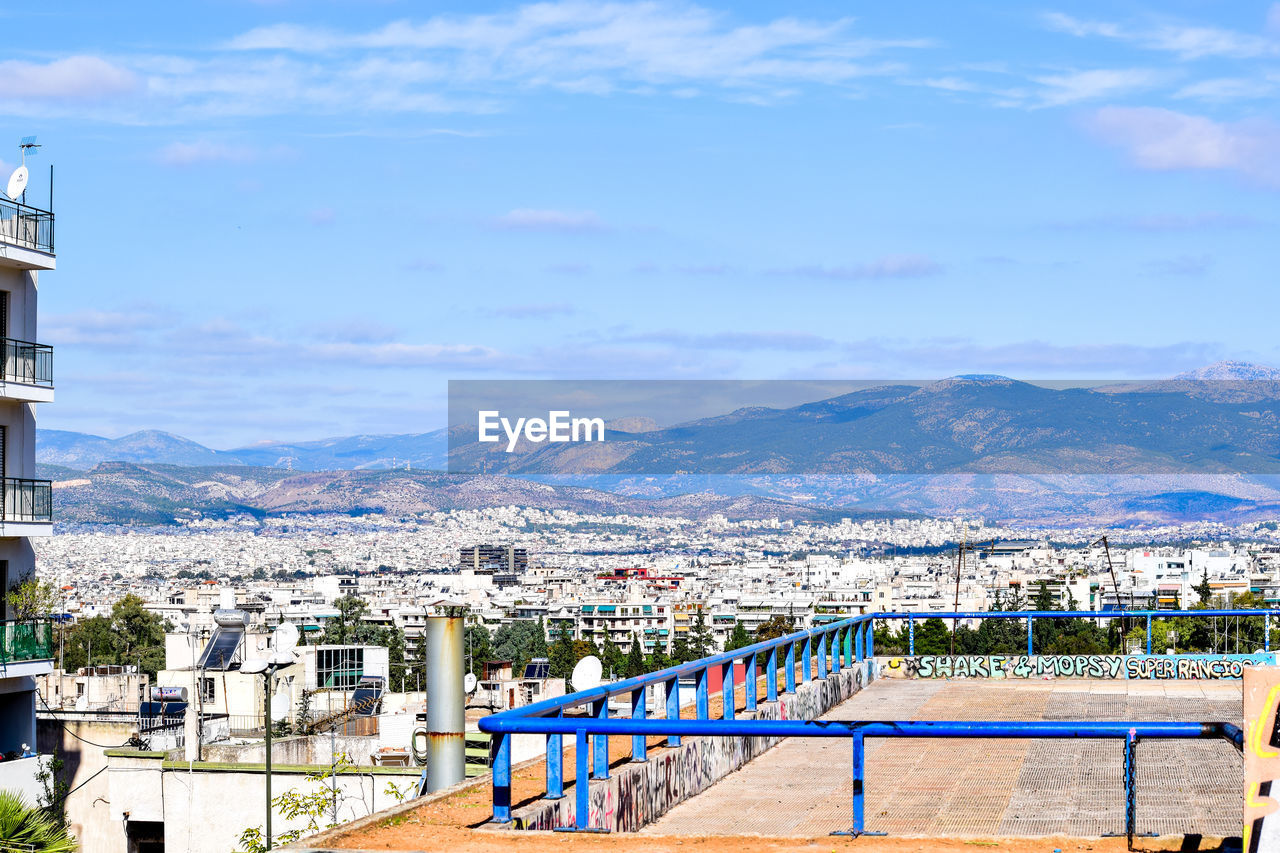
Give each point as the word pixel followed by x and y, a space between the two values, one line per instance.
pixel 253 666
pixel 280 706
pixel 284 638
pixel 469 682
pixel 587 673
pixel 17 183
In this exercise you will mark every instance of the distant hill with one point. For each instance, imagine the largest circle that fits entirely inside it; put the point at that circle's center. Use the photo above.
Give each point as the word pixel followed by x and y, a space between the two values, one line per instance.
pixel 126 493
pixel 82 450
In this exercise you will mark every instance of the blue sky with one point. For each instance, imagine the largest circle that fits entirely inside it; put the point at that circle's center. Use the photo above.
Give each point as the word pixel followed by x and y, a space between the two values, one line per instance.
pixel 289 220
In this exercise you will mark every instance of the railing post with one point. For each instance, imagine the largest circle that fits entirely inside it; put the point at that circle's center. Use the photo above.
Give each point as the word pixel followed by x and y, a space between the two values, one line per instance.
pixel 753 675
pixel 639 743
pixel 600 743
pixel 859 795
pixel 791 667
pixel 502 780
pixel 703 701
pixel 771 676
pixel 1148 633
pixel 555 765
pixel 673 707
pixel 835 651
pixel 1130 788
pixel 806 668
pixel 581 787
pixel 726 691
pixel 911 636
pixel 869 647
pixel 822 655
pixel 1030 650
pixel 858 654
pixel 848 644
pixel 1266 632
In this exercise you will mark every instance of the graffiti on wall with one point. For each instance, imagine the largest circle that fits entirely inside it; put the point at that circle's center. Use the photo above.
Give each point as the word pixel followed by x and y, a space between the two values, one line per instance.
pixel 1261 759
pixel 637 794
pixel 1155 667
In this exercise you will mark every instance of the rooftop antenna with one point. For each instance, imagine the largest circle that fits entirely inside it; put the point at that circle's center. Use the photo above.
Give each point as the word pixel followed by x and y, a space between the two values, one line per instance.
pixel 17 189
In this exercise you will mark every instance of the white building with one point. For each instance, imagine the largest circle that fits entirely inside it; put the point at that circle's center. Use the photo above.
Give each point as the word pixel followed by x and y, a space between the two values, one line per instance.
pixel 26 378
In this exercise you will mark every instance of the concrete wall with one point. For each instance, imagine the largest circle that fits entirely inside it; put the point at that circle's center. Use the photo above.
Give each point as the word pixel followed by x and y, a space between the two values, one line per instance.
pixel 638 793
pixel 205 806
pixel 1261 758
pixel 1138 667
pixel 84 769
pixel 19 776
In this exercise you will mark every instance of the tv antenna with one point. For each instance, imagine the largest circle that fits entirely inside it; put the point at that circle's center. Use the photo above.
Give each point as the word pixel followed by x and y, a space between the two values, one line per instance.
pixel 17 188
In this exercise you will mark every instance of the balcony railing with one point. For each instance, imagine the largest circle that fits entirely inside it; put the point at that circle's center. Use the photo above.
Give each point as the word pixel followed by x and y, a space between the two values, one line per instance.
pixel 26 363
pixel 31 639
pixel 26 500
pixel 26 226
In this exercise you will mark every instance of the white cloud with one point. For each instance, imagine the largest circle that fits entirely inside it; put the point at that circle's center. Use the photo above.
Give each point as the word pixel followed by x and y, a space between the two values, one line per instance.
pixel 206 151
pixel 889 266
pixel 75 78
pixel 1184 40
pixel 533 219
pixel 1164 139
pixel 1069 88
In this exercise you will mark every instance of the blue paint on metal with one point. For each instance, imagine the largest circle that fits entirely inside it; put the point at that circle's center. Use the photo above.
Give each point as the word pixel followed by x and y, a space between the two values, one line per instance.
pixel 673 707
pixel 1148 634
pixel 753 676
pixel 859 645
pixel 582 789
pixel 600 744
pixel 639 744
pixel 1029 636
pixel 771 676
pixel 726 690
pixel 502 780
pixel 822 656
pixel 791 667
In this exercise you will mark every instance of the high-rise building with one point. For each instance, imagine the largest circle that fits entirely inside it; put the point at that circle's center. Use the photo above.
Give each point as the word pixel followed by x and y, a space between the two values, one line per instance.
pixel 26 378
pixel 494 558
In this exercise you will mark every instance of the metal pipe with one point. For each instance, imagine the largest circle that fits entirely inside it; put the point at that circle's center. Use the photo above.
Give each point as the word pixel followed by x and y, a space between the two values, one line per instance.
pixel 771 675
pixel 753 676
pixel 868 728
pixel 446 720
pixel 673 707
pixel 639 744
pixel 600 743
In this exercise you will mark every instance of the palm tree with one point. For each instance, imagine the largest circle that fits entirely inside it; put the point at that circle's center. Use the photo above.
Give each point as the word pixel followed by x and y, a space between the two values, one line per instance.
pixel 24 827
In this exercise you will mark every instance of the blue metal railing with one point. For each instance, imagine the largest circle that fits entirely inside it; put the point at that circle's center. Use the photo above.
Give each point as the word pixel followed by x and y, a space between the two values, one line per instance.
pixel 820 651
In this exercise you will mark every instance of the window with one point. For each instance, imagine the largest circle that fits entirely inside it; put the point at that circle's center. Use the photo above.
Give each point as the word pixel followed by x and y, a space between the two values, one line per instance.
pixel 208 689
pixel 339 668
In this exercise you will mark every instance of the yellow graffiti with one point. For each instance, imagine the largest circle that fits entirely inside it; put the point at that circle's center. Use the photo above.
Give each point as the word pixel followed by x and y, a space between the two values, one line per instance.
pixel 1258 728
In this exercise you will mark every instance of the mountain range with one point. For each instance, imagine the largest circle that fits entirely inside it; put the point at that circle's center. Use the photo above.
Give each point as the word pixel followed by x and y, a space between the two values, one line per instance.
pixel 1205 445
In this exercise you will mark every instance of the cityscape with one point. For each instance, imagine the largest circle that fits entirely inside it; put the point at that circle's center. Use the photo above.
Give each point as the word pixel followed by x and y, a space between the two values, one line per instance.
pixel 639 426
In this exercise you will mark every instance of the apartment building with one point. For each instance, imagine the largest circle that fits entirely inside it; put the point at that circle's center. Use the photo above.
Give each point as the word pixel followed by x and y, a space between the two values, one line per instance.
pixel 26 378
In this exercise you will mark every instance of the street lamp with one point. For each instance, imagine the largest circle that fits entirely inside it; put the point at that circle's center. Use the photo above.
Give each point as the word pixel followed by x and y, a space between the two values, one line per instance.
pixel 283 641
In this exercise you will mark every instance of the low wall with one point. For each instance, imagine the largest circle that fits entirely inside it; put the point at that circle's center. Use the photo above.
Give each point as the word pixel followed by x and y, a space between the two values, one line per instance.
pixel 1154 667
pixel 637 793
pixel 1262 758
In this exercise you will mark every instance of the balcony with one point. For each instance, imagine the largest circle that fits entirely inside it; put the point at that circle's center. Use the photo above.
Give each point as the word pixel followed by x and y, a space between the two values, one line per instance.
pixel 26 234
pixel 26 507
pixel 26 371
pixel 26 647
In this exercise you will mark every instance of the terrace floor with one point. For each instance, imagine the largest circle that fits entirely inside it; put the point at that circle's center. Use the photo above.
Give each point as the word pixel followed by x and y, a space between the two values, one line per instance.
pixel 984 788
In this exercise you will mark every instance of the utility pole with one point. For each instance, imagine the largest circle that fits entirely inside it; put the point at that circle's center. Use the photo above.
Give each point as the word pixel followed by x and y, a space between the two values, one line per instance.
pixel 956 604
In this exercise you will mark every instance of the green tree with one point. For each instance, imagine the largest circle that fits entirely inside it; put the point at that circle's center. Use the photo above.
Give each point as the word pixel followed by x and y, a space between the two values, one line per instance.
pixel 680 651
pixel 91 641
pixel 635 658
pixel 933 638
pixel 700 642
pixel 33 598
pixel 519 642
pixel 141 634
pixel 773 628
pixel 613 657
pixel 53 789
pixel 738 638
pixel 479 648
pixel 1203 589
pixel 560 656
pixel 30 828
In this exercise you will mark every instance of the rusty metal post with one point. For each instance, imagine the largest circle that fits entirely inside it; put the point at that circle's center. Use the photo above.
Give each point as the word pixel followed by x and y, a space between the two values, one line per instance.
pixel 446 721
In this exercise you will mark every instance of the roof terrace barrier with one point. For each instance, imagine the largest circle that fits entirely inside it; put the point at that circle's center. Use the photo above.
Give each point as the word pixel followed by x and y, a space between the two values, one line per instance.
pixel 822 650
